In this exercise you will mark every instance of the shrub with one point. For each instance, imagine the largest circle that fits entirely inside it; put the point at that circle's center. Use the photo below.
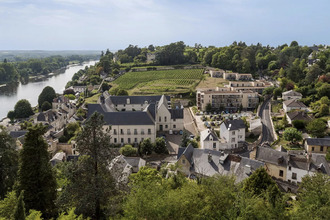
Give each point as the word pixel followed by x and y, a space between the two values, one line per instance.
pixel 128 150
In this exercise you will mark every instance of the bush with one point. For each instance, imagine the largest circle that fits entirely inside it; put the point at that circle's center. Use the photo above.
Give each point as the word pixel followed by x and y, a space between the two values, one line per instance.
pixel 146 147
pixel 46 106
pixel 128 150
pixel 299 124
pixel 70 96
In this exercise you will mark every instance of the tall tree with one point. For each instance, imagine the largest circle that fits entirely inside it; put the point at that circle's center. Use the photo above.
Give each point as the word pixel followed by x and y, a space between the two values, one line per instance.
pixel 19 212
pixel 90 184
pixel 35 175
pixel 47 95
pixel 8 163
pixel 23 109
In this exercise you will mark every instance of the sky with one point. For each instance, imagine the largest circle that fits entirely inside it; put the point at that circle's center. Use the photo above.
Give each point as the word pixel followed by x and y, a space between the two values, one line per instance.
pixel 114 24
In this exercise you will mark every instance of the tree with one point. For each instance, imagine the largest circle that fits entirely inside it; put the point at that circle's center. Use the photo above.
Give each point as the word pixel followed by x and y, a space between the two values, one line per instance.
pixel 7 206
pixel 184 139
pixel 128 150
pixel 299 124
pixel 35 175
pixel 8 162
pixel 277 92
pixel 11 115
pixel 90 183
pixel 46 106
pixel 23 109
pixel 160 146
pixel 284 121
pixel 122 92
pixel 313 197
pixel 151 48
pixel 292 135
pixel 105 87
pixel 324 90
pixel 19 212
pixel 146 147
pixel 316 128
pixel 47 94
pixel 324 110
pixel 208 107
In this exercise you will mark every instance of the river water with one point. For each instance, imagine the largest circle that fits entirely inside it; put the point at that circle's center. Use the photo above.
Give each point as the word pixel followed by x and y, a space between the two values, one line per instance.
pixel 9 95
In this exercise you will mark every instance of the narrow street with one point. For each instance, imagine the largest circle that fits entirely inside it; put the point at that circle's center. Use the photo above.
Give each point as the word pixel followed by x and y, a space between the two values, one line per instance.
pixel 267 134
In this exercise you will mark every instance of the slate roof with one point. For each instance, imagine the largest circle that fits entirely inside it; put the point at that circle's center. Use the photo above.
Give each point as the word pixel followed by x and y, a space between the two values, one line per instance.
pixel 121 118
pixel 207 134
pixel 298 161
pixel 294 103
pixel 119 100
pixel 241 173
pixel 134 161
pixel 320 164
pixel 291 93
pixel 318 141
pixel 176 113
pixel 272 156
pixel 234 124
pixel 187 152
pixel 17 134
pixel 298 115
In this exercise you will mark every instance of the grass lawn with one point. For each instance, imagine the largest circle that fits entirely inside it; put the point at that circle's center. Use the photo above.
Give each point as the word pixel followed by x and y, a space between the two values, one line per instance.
pixel 288 146
pixel 93 99
pixel 210 82
pixel 159 82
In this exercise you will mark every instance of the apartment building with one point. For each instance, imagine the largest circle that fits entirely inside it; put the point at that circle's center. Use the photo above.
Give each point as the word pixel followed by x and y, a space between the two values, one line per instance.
pixel 226 99
pixel 255 86
pixel 131 125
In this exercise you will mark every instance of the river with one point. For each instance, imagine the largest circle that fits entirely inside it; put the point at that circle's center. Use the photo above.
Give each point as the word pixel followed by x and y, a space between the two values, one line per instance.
pixel 9 95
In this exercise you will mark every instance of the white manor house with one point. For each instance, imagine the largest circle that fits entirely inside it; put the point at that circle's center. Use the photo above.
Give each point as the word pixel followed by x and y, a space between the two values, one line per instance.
pixel 131 119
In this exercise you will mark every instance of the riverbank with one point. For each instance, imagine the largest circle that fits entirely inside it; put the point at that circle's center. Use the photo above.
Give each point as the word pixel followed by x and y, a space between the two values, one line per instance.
pixel 11 93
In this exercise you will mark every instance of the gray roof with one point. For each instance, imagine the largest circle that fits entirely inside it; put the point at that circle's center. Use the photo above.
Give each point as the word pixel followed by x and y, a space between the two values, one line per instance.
pixel 298 161
pixel 298 115
pixel 320 164
pixel 119 100
pixel 122 118
pixel 133 161
pixel 318 141
pixel 176 113
pixel 291 93
pixel 272 156
pixel 234 124
pixel 17 134
pixel 245 163
pixel 294 103
pixel 187 152
pixel 206 134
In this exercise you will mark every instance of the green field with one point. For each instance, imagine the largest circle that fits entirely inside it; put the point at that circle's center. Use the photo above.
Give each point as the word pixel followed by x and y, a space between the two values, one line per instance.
pixel 159 82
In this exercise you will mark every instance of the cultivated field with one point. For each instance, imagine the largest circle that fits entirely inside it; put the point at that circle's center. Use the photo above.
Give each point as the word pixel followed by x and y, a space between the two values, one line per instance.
pixel 159 82
pixel 209 82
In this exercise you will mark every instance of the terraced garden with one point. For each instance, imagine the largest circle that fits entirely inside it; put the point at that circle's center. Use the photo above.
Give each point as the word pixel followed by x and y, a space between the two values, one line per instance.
pixel 159 82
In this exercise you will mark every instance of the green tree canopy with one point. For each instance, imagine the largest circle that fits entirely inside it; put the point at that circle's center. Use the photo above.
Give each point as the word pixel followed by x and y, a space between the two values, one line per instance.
pixel 23 109
pixel 146 147
pixel 35 175
pixel 316 128
pixel 292 135
pixel 160 146
pixel 47 94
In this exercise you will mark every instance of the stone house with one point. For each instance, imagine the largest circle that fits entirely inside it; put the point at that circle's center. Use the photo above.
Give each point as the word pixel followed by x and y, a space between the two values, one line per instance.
pixel 317 145
pixel 293 104
pixel 291 95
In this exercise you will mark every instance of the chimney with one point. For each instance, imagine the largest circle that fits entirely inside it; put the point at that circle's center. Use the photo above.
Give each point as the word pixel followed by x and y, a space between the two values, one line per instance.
pixel 209 157
pixel 247 169
pixel 128 101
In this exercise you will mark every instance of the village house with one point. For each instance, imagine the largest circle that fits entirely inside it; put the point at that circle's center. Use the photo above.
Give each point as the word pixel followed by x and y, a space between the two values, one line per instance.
pixel 293 104
pixel 233 133
pixel 297 115
pixel 291 95
pixel 317 145
pixel 216 73
pixel 194 162
pixel 209 140
pixel 131 119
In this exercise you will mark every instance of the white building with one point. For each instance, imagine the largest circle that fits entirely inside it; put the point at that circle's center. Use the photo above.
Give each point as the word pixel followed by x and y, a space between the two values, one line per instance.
pixel 131 119
pixel 293 104
pixel 209 140
pixel 291 95
pixel 233 132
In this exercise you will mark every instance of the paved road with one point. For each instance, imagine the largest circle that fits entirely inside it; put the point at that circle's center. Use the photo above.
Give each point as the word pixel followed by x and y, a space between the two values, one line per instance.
pixel 189 124
pixel 267 134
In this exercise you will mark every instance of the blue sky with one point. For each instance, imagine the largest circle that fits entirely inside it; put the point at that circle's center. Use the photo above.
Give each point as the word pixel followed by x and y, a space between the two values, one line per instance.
pixel 114 24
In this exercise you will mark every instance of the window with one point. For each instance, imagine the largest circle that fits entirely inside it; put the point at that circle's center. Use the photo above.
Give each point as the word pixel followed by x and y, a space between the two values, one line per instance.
pixel 174 126
pixel 115 140
pixel 166 126
pixel 294 176
pixel 135 131
pixel 321 148
pixel 174 119
pixel 128 131
pixel 121 140
pixel 281 173
pixel 142 131
pixel 214 145
pixel 289 167
pixel 129 140
pixel 149 131
pixel 165 118
pixel 135 140
pixel 233 133
pixel 312 148
pixel 114 131
pixel 121 131
pixel 233 140
pixel 160 119
pixel 183 161
pixel 142 139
